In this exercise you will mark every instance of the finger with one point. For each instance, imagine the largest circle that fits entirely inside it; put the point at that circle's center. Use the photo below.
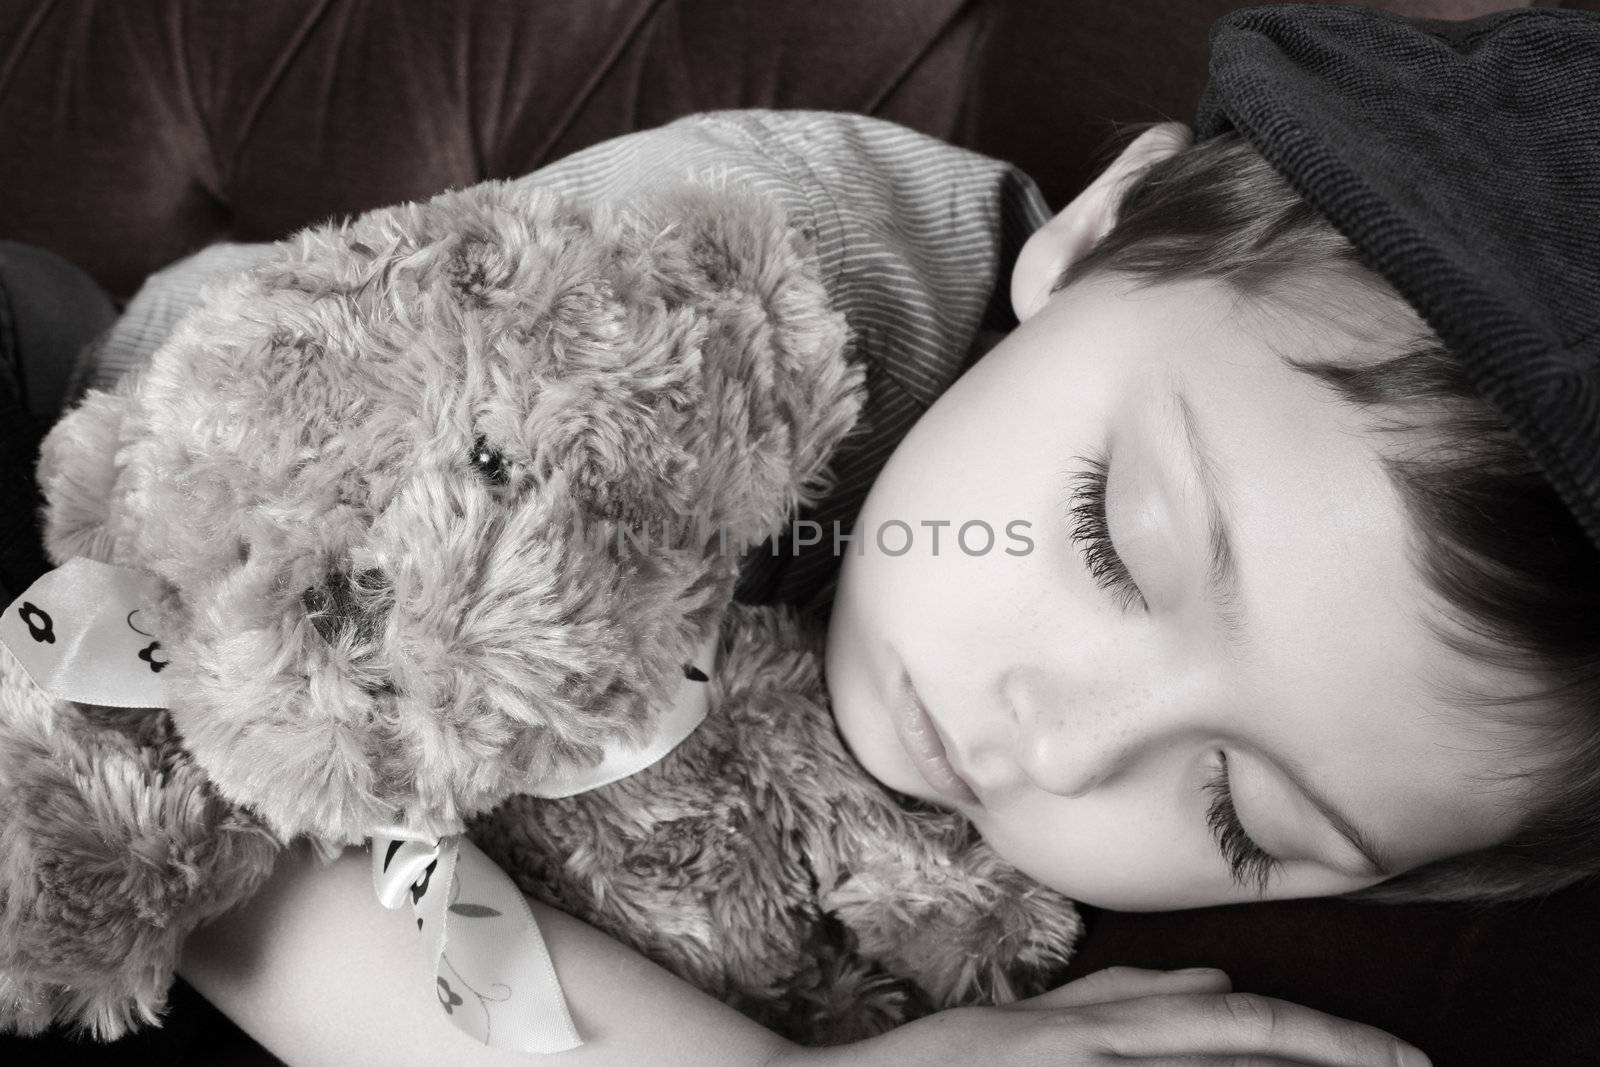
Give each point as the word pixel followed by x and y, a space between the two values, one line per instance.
pixel 1247 1023
pixel 1121 983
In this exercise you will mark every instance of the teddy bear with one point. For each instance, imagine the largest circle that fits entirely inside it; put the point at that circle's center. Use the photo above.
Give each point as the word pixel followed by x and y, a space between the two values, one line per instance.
pixel 435 504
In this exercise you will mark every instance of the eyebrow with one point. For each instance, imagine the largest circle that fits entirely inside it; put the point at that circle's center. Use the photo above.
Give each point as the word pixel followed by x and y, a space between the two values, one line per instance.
pixel 1222 574
pixel 1376 858
pixel 1223 591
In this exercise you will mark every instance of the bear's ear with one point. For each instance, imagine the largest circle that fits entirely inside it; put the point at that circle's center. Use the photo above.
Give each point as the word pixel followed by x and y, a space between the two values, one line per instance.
pixel 734 239
pixel 77 472
pixel 785 346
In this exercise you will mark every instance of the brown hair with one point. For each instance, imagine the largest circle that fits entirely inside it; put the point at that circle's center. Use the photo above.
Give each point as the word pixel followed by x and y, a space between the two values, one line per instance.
pixel 1516 578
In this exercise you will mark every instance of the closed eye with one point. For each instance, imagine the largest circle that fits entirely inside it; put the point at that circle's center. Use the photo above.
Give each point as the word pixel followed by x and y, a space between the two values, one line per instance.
pixel 1250 864
pixel 1086 515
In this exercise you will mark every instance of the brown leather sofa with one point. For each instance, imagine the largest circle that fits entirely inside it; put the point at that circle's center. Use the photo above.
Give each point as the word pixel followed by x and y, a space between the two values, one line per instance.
pixel 135 131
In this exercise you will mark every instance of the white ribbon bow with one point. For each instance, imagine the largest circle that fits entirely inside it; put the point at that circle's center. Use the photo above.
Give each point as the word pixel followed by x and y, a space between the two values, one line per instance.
pixel 77 632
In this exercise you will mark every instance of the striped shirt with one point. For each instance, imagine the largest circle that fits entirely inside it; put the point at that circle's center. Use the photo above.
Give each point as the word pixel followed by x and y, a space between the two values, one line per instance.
pixel 915 238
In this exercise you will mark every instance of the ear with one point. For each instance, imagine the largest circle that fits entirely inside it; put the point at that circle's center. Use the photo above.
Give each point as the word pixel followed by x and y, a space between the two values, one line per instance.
pixel 1080 225
pixel 77 472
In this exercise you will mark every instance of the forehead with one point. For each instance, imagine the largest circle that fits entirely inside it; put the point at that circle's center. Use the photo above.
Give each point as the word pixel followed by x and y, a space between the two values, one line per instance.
pixel 1344 673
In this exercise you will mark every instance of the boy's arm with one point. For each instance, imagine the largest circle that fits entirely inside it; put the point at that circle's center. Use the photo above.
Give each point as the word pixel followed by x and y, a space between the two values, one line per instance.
pixel 316 970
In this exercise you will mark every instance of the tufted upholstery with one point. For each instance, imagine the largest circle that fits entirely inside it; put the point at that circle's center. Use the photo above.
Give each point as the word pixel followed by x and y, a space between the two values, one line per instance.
pixel 135 131
pixel 140 130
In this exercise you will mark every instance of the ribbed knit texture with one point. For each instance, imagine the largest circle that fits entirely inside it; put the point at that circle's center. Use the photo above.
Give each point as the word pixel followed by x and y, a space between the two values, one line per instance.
pixel 1462 159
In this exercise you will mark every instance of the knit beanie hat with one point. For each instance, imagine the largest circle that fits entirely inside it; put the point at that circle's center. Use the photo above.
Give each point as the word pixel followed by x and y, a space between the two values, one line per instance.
pixel 1462 160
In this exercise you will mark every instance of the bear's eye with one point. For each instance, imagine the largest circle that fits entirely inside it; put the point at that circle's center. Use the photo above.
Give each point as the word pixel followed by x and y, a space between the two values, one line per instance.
pixel 489 462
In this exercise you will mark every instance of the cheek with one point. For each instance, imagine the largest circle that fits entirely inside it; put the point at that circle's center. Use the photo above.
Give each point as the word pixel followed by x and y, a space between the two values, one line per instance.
pixel 1107 854
pixel 965 484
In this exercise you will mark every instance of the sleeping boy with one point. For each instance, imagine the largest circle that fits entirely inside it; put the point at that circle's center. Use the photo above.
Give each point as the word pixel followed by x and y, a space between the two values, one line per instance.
pixel 1297 613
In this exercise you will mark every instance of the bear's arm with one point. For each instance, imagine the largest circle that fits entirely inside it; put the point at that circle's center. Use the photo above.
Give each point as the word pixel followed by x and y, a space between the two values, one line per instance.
pixel 319 973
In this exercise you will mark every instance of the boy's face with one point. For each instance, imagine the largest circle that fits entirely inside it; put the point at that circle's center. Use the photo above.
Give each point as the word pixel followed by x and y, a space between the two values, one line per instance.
pixel 1088 720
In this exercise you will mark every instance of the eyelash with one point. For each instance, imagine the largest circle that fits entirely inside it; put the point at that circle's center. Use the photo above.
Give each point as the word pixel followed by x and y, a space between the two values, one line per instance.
pixel 1086 513
pixel 1086 509
pixel 1248 861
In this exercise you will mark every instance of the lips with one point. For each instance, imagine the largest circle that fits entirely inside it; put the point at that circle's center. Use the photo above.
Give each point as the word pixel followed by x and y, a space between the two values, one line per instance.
pixel 920 737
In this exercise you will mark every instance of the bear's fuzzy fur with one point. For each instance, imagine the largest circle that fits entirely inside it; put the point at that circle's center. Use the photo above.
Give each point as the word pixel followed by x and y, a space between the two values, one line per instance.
pixel 438 502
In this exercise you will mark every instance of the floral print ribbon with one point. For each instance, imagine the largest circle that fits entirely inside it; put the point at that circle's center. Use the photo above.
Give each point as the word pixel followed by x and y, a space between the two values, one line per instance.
pixel 479 944
pixel 78 633
pixel 477 941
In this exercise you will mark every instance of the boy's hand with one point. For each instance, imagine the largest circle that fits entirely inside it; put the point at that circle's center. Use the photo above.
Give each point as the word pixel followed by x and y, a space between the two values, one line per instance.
pixel 1124 1014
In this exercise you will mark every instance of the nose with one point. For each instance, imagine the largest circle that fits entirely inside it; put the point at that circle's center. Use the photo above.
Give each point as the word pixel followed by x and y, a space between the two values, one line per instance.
pixel 334 606
pixel 1058 759
pixel 1071 745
